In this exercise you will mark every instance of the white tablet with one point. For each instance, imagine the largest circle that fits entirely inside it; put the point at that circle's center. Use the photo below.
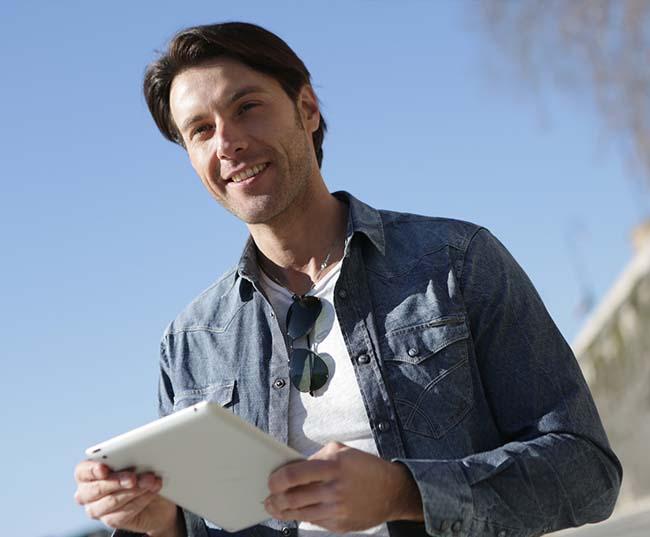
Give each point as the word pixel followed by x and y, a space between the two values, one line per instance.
pixel 211 462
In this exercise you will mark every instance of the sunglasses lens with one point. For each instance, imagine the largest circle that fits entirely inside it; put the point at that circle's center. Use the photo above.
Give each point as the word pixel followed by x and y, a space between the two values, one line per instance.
pixel 308 370
pixel 302 316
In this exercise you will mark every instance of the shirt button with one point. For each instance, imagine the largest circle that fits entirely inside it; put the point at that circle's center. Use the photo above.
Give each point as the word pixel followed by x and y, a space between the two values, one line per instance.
pixel 363 359
pixel 384 426
pixel 413 352
pixel 279 383
pixel 502 533
pixel 272 314
pixel 456 526
pixel 444 525
pixel 342 293
pixel 286 532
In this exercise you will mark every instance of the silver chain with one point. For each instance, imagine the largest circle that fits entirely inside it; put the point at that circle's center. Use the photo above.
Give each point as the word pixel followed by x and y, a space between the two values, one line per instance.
pixel 324 264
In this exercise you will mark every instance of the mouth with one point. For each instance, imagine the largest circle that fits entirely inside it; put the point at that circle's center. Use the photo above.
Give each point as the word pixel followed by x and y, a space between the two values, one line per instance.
pixel 248 174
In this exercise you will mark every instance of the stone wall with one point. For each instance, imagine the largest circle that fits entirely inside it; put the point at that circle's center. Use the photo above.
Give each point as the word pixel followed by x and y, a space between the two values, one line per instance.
pixel 616 363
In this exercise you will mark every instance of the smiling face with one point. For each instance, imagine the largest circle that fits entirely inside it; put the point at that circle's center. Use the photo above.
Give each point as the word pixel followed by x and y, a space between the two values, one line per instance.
pixel 250 144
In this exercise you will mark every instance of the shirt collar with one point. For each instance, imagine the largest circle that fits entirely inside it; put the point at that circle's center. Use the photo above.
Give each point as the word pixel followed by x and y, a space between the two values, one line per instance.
pixel 362 219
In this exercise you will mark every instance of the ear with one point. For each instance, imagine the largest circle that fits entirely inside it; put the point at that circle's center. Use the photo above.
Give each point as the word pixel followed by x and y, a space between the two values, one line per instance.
pixel 308 108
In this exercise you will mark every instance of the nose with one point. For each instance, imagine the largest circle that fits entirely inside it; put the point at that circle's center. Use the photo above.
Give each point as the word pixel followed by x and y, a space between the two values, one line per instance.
pixel 230 140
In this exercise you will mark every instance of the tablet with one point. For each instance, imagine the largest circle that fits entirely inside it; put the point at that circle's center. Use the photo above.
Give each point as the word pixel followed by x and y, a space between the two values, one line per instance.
pixel 211 462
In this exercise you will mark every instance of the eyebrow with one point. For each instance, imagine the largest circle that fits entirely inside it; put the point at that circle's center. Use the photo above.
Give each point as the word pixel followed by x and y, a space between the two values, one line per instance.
pixel 242 92
pixel 245 91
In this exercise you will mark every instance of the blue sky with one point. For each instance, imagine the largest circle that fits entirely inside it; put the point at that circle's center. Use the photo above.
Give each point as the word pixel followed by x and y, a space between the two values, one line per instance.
pixel 106 233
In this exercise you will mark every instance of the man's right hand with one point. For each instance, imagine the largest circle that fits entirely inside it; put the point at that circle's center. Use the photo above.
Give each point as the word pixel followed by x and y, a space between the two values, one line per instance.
pixel 126 500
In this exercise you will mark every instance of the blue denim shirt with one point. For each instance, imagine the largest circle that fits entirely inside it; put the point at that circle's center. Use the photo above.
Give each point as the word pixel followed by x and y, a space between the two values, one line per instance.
pixel 465 377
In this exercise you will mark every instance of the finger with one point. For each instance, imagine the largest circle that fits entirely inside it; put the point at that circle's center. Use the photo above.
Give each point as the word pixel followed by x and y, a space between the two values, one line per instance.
pixel 129 479
pixel 301 473
pixel 91 471
pixel 90 491
pixel 310 513
pixel 149 481
pixel 95 490
pixel 129 511
pixel 113 502
pixel 300 497
pixel 328 451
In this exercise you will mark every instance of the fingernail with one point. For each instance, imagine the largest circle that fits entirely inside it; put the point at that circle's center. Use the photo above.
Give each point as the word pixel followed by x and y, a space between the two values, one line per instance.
pixel 126 482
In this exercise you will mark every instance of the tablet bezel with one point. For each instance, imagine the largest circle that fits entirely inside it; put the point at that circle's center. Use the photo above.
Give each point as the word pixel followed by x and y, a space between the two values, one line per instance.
pixel 212 462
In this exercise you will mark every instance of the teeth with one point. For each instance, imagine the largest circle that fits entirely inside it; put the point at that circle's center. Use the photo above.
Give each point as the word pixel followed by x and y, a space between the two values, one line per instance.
pixel 242 176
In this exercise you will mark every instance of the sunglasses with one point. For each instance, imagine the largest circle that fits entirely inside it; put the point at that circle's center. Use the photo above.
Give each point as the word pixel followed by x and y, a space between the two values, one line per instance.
pixel 307 370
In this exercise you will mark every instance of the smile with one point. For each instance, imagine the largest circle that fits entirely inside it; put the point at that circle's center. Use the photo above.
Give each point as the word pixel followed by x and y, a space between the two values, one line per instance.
pixel 248 173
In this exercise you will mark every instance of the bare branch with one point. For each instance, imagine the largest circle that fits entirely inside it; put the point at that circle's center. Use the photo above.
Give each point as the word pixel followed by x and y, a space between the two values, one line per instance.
pixel 594 48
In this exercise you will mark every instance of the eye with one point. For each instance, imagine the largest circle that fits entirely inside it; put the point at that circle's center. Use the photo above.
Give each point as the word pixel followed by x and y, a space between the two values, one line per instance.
pixel 246 107
pixel 200 130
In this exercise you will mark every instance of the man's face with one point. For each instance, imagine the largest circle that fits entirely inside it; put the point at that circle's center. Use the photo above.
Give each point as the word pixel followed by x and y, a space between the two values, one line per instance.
pixel 248 142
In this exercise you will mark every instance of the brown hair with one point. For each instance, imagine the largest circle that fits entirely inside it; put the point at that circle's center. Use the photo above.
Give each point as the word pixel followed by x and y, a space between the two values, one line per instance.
pixel 248 43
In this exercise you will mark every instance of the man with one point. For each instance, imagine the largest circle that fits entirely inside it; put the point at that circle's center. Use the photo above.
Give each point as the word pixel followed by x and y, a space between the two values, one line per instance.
pixel 409 357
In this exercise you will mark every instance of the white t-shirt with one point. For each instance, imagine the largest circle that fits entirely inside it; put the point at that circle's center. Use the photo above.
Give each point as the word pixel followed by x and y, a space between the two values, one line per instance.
pixel 336 411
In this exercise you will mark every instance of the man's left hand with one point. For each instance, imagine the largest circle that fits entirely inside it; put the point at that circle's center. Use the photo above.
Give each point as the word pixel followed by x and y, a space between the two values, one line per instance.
pixel 343 489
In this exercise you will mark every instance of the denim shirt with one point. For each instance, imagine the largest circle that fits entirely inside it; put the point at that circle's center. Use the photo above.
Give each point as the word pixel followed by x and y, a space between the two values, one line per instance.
pixel 465 378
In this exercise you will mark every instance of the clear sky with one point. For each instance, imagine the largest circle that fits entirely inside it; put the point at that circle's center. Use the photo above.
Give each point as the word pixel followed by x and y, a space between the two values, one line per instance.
pixel 106 234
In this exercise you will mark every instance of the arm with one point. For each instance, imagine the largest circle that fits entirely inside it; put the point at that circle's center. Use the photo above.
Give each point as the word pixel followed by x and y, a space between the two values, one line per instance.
pixel 556 468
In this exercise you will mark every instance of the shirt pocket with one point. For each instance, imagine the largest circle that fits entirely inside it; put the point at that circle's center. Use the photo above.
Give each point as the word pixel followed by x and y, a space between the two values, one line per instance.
pixel 223 393
pixel 428 374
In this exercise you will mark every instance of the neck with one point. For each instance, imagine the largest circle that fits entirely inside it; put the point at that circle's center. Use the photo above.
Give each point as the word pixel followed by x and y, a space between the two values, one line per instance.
pixel 292 247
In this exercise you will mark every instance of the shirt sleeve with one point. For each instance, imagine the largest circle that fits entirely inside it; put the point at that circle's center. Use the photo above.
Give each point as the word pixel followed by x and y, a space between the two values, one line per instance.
pixel 555 468
pixel 165 386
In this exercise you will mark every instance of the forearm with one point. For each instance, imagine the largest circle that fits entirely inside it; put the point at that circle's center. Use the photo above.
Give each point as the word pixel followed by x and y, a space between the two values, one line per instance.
pixel 524 488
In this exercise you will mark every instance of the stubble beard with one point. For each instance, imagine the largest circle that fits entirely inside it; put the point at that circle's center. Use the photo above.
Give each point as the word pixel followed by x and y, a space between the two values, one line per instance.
pixel 293 175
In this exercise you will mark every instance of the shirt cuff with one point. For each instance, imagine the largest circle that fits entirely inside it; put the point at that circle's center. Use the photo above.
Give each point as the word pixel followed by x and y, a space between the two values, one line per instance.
pixel 446 496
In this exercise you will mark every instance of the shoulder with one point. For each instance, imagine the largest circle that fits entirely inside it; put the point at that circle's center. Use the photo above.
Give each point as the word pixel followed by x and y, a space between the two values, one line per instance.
pixel 427 232
pixel 211 310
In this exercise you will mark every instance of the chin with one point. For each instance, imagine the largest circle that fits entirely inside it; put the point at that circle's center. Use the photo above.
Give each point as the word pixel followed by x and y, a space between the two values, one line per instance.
pixel 255 215
pixel 262 208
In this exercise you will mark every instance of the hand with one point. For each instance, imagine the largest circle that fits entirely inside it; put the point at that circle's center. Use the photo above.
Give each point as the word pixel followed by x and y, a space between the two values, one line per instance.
pixel 343 489
pixel 126 501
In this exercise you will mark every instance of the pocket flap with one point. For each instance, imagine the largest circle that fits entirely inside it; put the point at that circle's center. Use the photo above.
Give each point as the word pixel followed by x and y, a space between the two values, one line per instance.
pixel 222 394
pixel 417 343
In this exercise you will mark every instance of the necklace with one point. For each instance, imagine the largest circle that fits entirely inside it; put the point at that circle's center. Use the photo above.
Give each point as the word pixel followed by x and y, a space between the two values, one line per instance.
pixel 324 264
